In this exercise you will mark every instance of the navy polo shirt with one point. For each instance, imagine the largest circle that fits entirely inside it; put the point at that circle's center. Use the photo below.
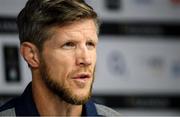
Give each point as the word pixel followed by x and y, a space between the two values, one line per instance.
pixel 25 106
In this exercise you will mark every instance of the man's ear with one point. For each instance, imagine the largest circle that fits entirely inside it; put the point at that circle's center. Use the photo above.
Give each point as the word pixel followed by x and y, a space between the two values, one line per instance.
pixel 30 53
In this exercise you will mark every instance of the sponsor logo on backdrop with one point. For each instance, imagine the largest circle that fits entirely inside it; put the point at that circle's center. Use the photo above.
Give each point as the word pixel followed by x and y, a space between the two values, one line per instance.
pixel 153 66
pixel 116 63
pixel 8 25
pixel 175 69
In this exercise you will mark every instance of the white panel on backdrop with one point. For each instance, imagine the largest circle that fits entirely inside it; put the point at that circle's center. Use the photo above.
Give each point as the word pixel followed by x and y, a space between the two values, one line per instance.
pixel 143 10
pixel 137 65
pixel 7 87
pixel 11 7
pixel 129 10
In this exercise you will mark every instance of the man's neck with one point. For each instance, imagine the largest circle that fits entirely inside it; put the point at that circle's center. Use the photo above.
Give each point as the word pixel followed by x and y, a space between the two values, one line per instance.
pixel 49 104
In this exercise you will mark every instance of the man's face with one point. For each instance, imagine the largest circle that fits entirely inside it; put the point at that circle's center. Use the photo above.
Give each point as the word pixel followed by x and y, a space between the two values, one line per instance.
pixel 68 61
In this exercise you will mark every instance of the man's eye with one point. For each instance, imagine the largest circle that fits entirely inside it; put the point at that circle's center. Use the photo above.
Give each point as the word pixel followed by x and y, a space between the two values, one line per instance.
pixel 68 45
pixel 91 45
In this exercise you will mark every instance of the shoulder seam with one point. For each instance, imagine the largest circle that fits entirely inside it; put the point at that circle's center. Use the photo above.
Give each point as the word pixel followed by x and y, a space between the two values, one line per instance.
pixel 104 110
pixel 8 112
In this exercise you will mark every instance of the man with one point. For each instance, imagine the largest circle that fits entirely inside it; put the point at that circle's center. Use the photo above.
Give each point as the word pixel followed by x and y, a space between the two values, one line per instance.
pixel 58 41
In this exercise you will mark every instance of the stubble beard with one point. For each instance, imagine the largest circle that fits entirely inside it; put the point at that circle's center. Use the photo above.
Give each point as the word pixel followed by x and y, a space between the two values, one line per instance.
pixel 62 91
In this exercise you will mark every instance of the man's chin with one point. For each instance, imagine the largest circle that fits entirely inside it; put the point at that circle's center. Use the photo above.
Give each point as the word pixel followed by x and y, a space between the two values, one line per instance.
pixel 76 99
pixel 71 96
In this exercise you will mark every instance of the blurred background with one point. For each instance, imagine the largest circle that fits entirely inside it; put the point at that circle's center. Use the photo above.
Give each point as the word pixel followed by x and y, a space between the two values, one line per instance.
pixel 138 64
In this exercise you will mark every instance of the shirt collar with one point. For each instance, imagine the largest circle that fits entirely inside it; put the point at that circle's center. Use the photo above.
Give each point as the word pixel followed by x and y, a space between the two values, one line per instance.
pixel 26 106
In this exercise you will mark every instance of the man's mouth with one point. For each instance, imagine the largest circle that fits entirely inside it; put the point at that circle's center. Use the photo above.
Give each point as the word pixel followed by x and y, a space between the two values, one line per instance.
pixel 81 79
pixel 82 76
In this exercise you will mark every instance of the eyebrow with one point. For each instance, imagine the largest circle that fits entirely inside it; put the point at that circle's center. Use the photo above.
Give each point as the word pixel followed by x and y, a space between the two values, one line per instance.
pixel 93 39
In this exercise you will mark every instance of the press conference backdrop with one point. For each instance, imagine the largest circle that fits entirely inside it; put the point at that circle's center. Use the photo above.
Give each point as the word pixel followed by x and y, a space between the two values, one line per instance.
pixel 138 63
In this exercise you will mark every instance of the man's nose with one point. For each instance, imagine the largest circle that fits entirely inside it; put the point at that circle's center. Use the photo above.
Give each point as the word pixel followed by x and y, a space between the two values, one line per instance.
pixel 83 57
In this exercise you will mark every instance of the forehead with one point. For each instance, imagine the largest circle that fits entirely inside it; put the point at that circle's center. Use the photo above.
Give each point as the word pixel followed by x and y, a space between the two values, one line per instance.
pixel 85 28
